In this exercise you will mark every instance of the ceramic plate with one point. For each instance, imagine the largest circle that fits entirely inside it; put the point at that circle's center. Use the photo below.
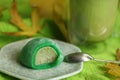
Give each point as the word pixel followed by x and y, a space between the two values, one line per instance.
pixel 10 65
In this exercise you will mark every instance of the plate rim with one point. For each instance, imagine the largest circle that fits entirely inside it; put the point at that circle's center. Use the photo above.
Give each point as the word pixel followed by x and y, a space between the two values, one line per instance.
pixel 54 78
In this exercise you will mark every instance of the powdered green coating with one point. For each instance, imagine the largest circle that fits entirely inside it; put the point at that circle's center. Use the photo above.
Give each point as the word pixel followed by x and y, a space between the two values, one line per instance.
pixel 30 50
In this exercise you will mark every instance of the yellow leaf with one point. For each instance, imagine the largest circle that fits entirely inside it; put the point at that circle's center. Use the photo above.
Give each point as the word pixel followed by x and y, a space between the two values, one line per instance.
pixel 113 69
pixel 118 79
pixel 46 7
pixel 55 10
pixel 118 54
pixel 17 20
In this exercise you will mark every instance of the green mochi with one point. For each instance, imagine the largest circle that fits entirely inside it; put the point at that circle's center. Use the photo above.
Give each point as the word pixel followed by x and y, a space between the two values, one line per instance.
pixel 41 53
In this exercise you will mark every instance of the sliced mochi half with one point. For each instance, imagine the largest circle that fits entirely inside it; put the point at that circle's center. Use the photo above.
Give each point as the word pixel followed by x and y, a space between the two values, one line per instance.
pixel 41 53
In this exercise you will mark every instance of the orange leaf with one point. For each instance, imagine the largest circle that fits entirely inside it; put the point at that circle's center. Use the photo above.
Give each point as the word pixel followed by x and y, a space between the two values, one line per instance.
pixel 114 69
pixel 118 79
pixel 35 19
pixel 16 18
pixel 118 54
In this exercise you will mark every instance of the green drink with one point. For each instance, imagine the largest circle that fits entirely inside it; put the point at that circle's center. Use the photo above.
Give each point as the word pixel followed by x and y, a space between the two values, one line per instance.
pixel 91 20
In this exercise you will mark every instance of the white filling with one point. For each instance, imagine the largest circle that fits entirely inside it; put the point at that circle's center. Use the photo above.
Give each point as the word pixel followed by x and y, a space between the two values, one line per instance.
pixel 45 55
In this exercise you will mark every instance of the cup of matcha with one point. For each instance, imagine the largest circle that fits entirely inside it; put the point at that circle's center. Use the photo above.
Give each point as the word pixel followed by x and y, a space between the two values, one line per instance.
pixel 91 20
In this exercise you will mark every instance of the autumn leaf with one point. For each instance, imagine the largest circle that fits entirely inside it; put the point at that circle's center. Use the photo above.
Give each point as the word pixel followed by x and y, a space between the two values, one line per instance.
pixel 55 10
pixel 118 79
pixel 114 69
pixel 118 54
pixel 17 20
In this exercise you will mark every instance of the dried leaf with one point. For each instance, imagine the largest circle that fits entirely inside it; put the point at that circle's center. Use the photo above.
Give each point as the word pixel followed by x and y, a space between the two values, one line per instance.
pixel 114 69
pixel 59 14
pixel 35 20
pixel 54 9
pixel 17 20
pixel 118 54
pixel 46 7
pixel 61 26
pixel 118 79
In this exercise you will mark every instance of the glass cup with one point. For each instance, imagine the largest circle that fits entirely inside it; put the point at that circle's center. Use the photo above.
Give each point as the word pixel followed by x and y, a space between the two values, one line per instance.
pixel 91 20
